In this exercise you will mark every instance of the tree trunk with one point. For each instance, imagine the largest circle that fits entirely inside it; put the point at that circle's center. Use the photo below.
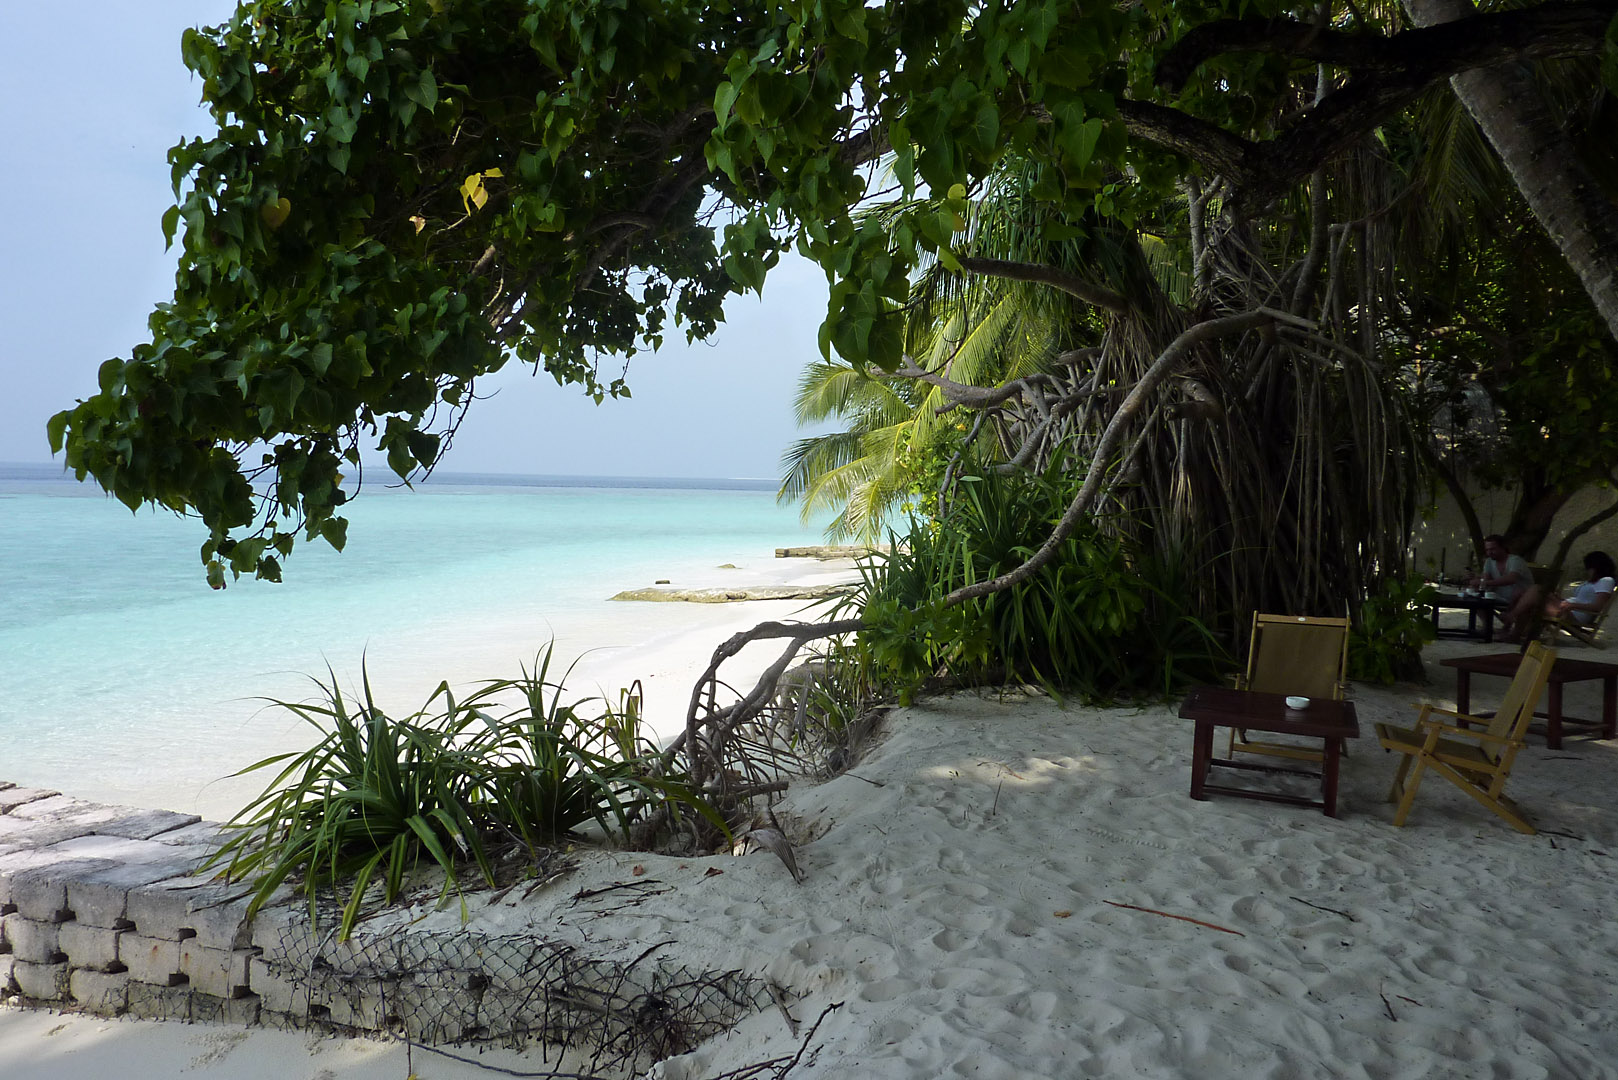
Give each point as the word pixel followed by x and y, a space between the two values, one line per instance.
pixel 1537 507
pixel 1577 531
pixel 1563 194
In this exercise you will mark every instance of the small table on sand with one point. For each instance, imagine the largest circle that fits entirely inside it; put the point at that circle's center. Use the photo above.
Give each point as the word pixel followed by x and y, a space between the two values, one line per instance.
pixel 1214 706
pixel 1486 606
pixel 1564 671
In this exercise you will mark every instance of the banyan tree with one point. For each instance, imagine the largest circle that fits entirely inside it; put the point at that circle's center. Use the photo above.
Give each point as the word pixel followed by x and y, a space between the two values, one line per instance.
pixel 405 195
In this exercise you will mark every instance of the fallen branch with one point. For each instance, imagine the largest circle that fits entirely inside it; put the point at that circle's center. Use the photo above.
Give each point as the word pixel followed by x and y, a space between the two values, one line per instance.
pixel 1319 907
pixel 1171 915
pixel 782 1065
pixel 725 720
pixel 586 894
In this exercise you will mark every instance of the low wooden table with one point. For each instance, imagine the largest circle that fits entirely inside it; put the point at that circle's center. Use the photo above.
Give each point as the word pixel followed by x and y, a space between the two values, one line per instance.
pixel 1214 706
pixel 1564 671
pixel 1486 606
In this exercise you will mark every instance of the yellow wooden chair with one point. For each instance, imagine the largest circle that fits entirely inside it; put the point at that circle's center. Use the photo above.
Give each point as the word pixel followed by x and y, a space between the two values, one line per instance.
pixel 1476 761
pixel 1293 654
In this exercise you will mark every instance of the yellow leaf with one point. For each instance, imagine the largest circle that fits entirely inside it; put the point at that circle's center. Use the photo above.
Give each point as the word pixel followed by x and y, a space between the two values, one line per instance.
pixel 418 221
pixel 493 172
pixel 275 214
pixel 473 193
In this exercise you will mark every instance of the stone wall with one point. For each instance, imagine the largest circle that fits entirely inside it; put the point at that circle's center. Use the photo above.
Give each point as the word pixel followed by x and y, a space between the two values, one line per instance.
pixel 100 911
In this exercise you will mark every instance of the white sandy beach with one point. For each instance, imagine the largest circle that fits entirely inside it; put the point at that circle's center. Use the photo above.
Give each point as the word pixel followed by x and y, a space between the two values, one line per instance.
pixel 1011 888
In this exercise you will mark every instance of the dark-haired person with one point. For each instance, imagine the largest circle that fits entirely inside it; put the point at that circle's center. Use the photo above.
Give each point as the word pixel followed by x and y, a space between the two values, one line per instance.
pixel 1589 600
pixel 1592 596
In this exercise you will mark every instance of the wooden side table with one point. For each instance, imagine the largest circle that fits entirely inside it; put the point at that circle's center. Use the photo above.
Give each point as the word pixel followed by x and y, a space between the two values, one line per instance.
pixel 1213 706
pixel 1564 671
pixel 1486 606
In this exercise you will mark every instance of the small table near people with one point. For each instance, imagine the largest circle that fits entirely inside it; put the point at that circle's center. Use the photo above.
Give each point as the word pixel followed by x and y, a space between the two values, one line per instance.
pixel 1213 707
pixel 1564 671
pixel 1474 605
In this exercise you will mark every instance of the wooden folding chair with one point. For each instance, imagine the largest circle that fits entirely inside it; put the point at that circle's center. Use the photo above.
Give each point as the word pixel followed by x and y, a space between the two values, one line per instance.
pixel 1476 761
pixel 1583 633
pixel 1293 654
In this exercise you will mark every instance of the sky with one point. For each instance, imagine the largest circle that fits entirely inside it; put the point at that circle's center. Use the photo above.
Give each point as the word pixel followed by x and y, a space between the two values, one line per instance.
pixel 92 97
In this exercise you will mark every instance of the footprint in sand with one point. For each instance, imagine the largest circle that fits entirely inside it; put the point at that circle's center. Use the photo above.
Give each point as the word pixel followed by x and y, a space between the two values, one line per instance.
pixel 886 990
pixel 1037 1006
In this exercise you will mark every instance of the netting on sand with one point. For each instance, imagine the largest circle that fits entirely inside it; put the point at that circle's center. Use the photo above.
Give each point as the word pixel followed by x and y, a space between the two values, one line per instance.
pixel 454 986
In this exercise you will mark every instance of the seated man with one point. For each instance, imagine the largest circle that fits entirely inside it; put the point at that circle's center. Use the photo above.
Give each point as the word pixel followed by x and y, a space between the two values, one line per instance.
pixel 1505 577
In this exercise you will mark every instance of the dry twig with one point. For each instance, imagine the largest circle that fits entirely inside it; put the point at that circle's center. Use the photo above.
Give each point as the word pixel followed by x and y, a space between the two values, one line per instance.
pixel 1171 915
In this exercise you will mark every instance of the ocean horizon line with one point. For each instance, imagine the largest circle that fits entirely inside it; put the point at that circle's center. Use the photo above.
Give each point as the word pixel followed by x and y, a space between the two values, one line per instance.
pixel 47 471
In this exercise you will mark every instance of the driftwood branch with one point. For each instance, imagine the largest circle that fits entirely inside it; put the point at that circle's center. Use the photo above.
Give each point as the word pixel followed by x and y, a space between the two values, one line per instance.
pixel 722 721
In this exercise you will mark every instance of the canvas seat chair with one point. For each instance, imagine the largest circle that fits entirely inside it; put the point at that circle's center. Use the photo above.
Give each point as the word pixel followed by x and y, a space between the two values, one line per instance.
pixel 1293 654
pixel 1476 761
pixel 1584 633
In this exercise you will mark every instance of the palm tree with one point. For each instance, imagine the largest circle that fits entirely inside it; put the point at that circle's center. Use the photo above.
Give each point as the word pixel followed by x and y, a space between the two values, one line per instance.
pixel 862 471
pixel 901 432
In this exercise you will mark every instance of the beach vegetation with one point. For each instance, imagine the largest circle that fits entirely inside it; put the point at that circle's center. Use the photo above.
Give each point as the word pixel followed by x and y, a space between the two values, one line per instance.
pixel 1103 620
pixel 1223 203
pixel 1393 625
pixel 446 789
pixel 1508 392
pixel 905 437
pixel 552 765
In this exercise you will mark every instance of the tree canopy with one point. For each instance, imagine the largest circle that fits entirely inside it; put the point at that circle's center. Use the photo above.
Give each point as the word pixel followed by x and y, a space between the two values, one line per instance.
pixel 404 195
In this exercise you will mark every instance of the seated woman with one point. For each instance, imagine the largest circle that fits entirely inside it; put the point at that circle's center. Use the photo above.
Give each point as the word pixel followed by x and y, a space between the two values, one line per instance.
pixel 1589 599
pixel 1592 597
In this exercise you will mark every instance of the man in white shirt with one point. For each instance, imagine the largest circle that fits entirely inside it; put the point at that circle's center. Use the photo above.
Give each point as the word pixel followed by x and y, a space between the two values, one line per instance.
pixel 1505 578
pixel 1505 575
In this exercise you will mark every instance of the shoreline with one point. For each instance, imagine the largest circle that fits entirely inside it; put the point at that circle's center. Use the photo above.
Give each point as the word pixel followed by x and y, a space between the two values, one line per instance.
pixel 602 649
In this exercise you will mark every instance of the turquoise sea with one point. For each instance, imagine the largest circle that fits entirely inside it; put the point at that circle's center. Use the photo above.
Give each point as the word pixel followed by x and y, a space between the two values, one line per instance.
pixel 123 677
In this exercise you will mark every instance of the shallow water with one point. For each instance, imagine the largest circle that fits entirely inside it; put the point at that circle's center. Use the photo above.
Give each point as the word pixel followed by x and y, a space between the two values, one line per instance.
pixel 123 676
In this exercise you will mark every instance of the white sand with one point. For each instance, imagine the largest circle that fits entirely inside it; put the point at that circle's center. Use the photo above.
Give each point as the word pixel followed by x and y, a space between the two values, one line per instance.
pixel 39 1045
pixel 961 905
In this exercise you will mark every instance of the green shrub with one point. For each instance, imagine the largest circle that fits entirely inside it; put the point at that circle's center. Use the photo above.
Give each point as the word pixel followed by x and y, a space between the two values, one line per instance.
pixel 1385 646
pixel 551 769
pixel 375 798
pixel 1103 620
